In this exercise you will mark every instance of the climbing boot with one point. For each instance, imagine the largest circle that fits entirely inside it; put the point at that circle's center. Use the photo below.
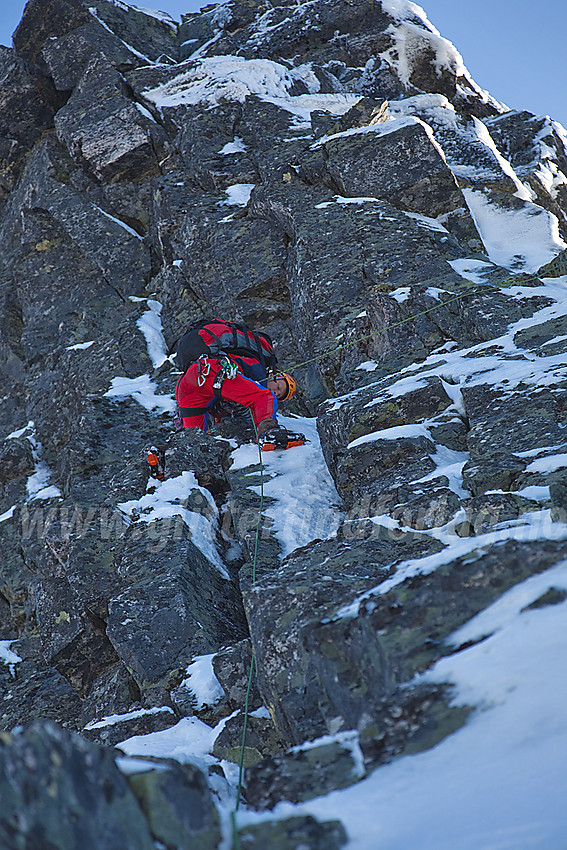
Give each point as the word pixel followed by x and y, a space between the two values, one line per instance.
pixel 280 438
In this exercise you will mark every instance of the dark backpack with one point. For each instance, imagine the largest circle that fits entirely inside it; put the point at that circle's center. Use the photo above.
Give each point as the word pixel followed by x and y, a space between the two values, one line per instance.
pixel 215 336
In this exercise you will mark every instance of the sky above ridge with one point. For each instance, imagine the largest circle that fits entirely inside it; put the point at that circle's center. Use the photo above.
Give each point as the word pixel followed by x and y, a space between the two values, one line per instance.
pixel 513 48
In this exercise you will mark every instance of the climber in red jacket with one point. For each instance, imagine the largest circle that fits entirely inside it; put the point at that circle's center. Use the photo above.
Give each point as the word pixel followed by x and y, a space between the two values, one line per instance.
pixel 226 365
pixel 211 381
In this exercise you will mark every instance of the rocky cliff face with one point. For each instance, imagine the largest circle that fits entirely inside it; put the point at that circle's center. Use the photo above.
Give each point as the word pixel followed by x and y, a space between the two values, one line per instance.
pixel 330 173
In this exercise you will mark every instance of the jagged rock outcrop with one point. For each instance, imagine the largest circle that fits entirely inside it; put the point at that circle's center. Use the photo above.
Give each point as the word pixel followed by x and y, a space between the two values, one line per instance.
pixel 60 790
pixel 331 173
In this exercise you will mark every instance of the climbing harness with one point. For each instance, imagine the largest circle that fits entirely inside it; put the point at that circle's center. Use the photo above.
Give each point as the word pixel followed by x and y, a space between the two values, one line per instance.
pixel 228 371
pixel 264 445
pixel 204 365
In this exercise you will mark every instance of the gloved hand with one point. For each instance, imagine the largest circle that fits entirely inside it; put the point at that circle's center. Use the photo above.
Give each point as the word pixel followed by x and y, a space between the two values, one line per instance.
pixel 267 425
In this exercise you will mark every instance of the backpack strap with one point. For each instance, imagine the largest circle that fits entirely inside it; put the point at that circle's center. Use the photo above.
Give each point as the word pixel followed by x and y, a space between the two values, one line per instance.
pixel 267 360
pixel 214 348
pixel 261 354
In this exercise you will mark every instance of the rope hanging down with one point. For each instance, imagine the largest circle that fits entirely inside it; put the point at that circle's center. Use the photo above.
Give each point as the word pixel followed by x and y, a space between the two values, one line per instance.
pixel 471 291
pixel 236 837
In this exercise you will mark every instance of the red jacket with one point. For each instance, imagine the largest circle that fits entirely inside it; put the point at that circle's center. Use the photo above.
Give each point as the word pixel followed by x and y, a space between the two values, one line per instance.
pixel 195 391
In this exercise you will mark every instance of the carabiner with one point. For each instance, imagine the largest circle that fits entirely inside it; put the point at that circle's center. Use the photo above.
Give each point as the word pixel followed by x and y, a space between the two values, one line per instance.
pixel 203 372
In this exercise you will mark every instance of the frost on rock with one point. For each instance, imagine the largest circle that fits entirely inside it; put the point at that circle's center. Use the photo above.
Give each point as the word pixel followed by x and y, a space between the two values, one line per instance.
pixel 143 390
pixel 388 595
pixel 150 325
pixel 167 499
pixel 213 79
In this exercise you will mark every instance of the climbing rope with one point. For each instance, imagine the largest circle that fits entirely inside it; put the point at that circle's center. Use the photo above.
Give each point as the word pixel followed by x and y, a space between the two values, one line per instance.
pixel 469 283
pixel 471 291
pixel 235 835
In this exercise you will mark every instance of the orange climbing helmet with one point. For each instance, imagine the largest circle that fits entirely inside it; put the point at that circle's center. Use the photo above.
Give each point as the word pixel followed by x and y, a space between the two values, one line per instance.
pixel 291 385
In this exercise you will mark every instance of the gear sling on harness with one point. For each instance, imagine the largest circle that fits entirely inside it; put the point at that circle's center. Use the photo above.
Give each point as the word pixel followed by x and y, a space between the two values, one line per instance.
pixel 227 370
pixel 216 338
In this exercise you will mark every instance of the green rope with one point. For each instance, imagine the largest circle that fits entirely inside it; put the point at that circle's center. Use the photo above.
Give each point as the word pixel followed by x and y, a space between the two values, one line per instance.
pixel 479 288
pixel 236 837
pixel 242 748
pixel 261 508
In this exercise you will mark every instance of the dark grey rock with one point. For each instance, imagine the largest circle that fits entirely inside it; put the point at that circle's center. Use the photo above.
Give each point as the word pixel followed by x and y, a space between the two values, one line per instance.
pixel 398 615
pixel 502 426
pixel 376 467
pixel 60 791
pixel 533 338
pixel 382 476
pixel 262 740
pixel 293 833
pixel 557 267
pixel 178 806
pixel 114 691
pixel 553 596
pixel 246 284
pixel 361 253
pixel 527 141
pixel 410 720
pixel 200 135
pixel 67 247
pixel 195 30
pixel 27 106
pixel 232 669
pixel 244 505
pixel 558 497
pixel 139 722
pixel 61 36
pixel 11 355
pixel 73 639
pixel 128 198
pixel 484 512
pixel 104 131
pixel 303 774
pixel 321 672
pixel 499 472
pixel 44 20
pixel 367 411
pixel 16 459
pixel 305 653
pixel 402 166
pixel 67 56
pixel 366 111
pixel 178 606
pixel 6 619
pixel 44 694
pixel 150 35
pixel 15 573
pixel 451 433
